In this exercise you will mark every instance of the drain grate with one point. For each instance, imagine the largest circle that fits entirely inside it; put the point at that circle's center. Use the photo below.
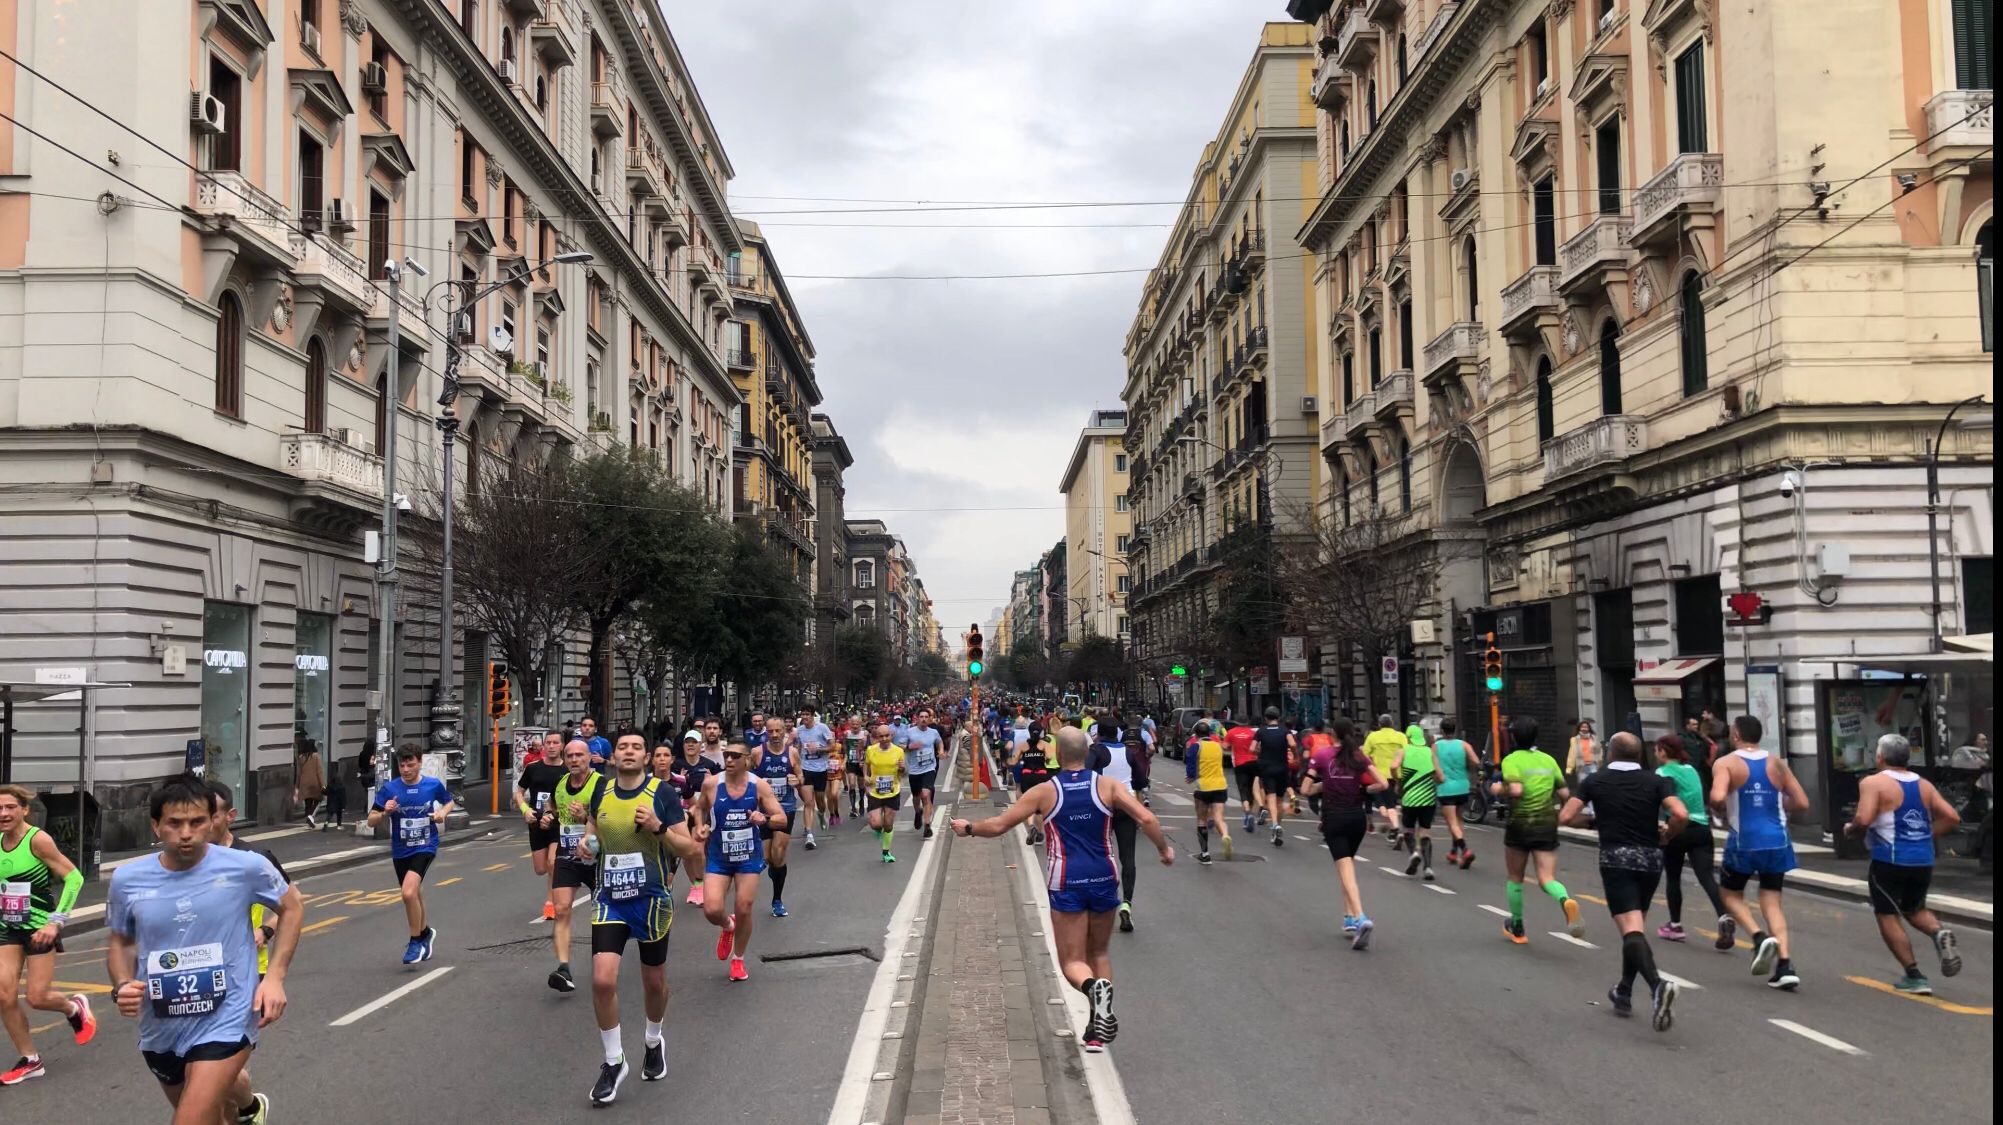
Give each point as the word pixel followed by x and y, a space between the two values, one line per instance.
pixel 863 952
pixel 524 947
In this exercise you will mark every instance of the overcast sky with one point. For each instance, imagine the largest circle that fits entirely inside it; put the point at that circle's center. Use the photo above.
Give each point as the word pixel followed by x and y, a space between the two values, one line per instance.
pixel 961 400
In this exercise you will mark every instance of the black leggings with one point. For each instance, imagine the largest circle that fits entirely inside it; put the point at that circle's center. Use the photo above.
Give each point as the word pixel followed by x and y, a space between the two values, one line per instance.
pixel 1125 831
pixel 1694 844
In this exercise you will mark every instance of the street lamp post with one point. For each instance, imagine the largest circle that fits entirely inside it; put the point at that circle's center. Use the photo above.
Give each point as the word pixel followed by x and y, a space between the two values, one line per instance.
pixel 446 737
pixel 1933 511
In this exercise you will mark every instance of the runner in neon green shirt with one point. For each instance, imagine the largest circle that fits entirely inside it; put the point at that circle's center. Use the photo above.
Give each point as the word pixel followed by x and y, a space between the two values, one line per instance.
pixel 1536 787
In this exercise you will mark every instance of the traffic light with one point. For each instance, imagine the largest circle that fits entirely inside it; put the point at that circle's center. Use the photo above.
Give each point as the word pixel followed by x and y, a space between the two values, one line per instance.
pixel 1491 665
pixel 976 654
pixel 499 701
pixel 1178 671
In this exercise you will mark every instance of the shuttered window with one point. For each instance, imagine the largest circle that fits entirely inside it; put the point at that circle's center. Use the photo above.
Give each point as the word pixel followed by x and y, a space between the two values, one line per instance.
pixel 1690 131
pixel 1972 22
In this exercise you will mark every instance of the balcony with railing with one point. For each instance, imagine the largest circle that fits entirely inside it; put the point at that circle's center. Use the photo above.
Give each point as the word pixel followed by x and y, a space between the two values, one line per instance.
pixel 1356 43
pixel 1692 187
pixel 740 359
pixel 1331 84
pixel 333 471
pixel 552 38
pixel 237 207
pixel 1960 123
pixel 1588 257
pixel 1393 396
pixel 411 325
pixel 1357 416
pixel 1255 345
pixel 328 266
pixel 608 111
pixel 1607 440
pixel 1460 345
pixel 1252 249
pixel 644 176
pixel 1527 299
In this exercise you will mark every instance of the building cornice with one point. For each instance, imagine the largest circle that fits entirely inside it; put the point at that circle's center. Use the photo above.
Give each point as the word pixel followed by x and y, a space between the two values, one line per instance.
pixel 660 96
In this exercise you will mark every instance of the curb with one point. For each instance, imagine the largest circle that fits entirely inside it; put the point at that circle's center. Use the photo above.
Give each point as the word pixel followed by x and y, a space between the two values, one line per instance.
pixel 1843 886
pixel 90 919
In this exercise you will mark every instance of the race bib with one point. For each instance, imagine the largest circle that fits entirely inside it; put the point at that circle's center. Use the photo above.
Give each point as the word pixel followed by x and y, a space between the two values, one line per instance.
pixel 781 788
pixel 541 802
pixel 924 759
pixel 568 836
pixel 414 831
pixel 884 786
pixel 623 876
pixel 14 898
pixel 739 844
pixel 186 982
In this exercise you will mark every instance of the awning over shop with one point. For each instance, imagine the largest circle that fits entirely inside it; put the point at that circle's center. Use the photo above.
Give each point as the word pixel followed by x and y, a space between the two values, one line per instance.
pixel 1974 642
pixel 1664 682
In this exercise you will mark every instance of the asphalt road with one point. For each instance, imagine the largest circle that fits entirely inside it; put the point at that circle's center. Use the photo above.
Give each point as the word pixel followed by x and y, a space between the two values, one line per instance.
pixel 1240 1000
pixel 484 1039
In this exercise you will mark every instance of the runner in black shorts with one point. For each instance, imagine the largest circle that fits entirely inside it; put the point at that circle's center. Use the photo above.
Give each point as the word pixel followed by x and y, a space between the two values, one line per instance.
pixel 1634 809
pixel 1274 743
pixel 532 796
pixel 570 802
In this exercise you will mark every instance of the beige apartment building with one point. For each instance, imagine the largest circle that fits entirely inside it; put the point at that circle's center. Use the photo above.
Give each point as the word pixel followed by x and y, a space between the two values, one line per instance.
pixel 1659 301
pixel 771 357
pixel 1222 358
pixel 195 324
pixel 1098 526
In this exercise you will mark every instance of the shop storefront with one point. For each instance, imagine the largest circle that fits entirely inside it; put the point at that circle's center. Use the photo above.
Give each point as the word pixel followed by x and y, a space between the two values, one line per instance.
pixel 312 684
pixel 1941 703
pixel 226 674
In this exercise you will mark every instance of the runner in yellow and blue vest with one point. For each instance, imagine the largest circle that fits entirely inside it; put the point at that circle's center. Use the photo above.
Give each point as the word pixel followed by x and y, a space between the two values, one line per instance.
pixel 634 823
pixel 570 807
pixel 738 808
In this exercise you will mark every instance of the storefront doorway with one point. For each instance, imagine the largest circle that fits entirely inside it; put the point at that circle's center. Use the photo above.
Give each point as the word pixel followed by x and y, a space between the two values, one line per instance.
pixel 226 676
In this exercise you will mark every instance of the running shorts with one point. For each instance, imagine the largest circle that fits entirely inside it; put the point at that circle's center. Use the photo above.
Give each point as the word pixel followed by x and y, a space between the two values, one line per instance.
pixel 792 817
pixel 645 920
pixel 540 838
pixel 753 866
pixel 1739 866
pixel 1530 837
pixel 1212 796
pixel 1343 831
pixel 923 782
pixel 893 802
pixel 419 862
pixel 1628 890
pixel 1457 800
pixel 815 781
pixel 24 936
pixel 1245 774
pixel 1419 816
pixel 1275 777
pixel 171 1068
pixel 570 873
pixel 1094 899
pixel 1896 889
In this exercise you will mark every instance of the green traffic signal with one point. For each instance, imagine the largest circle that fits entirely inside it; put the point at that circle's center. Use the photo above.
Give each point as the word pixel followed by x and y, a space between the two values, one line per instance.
pixel 1178 670
pixel 974 667
pixel 1495 683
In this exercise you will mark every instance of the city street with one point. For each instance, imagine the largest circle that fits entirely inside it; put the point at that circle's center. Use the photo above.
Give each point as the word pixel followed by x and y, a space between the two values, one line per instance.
pixel 1240 1000
pixel 483 1039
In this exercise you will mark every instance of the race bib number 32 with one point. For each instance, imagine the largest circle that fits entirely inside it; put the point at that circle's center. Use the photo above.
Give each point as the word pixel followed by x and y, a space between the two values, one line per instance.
pixel 186 982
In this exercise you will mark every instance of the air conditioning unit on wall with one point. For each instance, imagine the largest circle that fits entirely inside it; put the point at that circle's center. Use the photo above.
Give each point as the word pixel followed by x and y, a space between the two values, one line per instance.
pixel 206 113
pixel 1310 404
pixel 1459 179
pixel 375 78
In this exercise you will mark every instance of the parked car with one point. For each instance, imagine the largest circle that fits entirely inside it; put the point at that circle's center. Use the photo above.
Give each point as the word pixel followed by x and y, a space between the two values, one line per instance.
pixel 1180 722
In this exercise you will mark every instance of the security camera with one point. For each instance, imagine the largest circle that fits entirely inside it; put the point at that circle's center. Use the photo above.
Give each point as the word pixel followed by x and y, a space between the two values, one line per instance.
pixel 402 502
pixel 1790 483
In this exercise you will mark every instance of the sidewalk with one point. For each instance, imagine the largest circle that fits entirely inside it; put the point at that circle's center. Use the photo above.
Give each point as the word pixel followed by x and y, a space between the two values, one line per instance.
pixel 300 849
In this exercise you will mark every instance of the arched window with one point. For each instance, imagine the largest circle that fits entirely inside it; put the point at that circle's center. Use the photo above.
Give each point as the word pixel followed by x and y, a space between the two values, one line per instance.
pixel 1473 279
pixel 1547 426
pixel 1610 367
pixel 316 387
pixel 229 356
pixel 507 43
pixel 1405 473
pixel 1400 52
pixel 1690 335
pixel 1370 104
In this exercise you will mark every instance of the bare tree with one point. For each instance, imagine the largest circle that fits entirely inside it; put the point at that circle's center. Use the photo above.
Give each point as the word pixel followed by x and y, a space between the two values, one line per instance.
pixel 1357 586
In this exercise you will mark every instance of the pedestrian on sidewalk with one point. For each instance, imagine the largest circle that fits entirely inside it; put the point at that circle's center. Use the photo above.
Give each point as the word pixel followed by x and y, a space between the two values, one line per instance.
pixel 336 812
pixel 1902 813
pixel 1078 806
pixel 309 782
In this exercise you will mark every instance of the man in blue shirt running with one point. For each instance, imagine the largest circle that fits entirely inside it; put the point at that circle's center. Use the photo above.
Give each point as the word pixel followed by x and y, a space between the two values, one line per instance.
pixel 414 805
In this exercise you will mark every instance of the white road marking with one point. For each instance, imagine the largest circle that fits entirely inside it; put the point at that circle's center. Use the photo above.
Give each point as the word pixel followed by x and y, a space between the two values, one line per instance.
pixel 1681 982
pixel 1170 797
pixel 278 832
pixel 1496 910
pixel 1814 1036
pixel 852 1096
pixel 1362 859
pixel 391 997
pixel 1298 836
pixel 1582 943
pixel 1435 887
pixel 1392 871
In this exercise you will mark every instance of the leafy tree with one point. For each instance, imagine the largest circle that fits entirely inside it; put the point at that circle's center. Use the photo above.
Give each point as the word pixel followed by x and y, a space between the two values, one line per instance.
pixel 1027 667
pixel 759 614
pixel 1098 660
pixel 933 670
pixel 860 653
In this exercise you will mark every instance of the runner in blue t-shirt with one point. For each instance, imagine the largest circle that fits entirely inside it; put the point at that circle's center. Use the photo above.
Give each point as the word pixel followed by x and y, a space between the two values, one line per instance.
pixel 922 743
pixel 414 806
pixel 182 956
pixel 816 744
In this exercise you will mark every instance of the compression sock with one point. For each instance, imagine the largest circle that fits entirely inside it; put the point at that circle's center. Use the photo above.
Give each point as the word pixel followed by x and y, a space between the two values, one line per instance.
pixel 1426 851
pixel 1203 839
pixel 778 882
pixel 1515 901
pixel 654 1034
pixel 1637 957
pixel 614 1053
pixel 1460 845
pixel 887 834
pixel 1557 892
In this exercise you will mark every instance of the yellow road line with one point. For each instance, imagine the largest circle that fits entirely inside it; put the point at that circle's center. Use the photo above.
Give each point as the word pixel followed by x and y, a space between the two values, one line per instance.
pixel 323 924
pixel 449 882
pixel 78 986
pixel 1737 943
pixel 495 867
pixel 1929 1001
pixel 1589 898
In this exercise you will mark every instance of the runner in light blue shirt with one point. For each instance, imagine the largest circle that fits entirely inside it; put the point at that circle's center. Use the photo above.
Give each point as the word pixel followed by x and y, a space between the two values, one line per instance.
pixel 816 744
pixel 182 956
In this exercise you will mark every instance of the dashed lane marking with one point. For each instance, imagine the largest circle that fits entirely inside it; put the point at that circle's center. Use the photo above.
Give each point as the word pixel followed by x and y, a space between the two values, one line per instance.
pixel 390 997
pixel 1298 836
pixel 322 924
pixel 449 882
pixel 1439 889
pixel 1681 982
pixel 1929 1001
pixel 1814 1036
pixel 495 867
pixel 1582 943
pixel 1495 910
pixel 1393 872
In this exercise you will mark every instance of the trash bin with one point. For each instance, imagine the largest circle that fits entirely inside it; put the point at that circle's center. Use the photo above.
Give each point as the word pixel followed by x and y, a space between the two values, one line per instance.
pixel 1846 845
pixel 76 824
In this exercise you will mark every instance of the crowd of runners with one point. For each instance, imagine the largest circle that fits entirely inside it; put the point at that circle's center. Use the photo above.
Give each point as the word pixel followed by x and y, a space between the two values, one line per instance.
pixel 201 934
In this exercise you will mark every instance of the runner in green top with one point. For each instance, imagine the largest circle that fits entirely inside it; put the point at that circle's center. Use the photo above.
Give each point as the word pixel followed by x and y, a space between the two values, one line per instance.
pixel 1419 778
pixel 38 885
pixel 1457 764
pixel 570 806
pixel 1692 846
pixel 1536 787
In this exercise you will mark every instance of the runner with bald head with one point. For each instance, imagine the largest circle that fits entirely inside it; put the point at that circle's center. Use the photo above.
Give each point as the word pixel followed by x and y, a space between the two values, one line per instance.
pixel 1082 869
pixel 570 809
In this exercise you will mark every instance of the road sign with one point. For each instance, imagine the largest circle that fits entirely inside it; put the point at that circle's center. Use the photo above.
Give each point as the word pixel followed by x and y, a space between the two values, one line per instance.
pixel 1293 657
pixel 1390 669
pixel 1262 683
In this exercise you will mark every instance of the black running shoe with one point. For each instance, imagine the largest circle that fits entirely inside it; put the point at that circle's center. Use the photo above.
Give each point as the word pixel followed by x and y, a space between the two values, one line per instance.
pixel 1623 1003
pixel 559 979
pixel 610 1075
pixel 654 1067
pixel 1665 997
